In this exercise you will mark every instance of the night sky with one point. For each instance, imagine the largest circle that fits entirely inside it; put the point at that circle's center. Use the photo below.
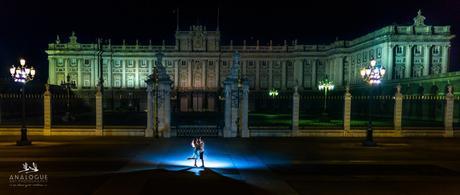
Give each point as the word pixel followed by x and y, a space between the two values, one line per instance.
pixel 27 27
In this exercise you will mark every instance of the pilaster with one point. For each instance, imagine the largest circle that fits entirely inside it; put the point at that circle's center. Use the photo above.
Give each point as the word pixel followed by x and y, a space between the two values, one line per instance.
pixel 390 67
pixel 408 69
pixel 426 60
pixel 283 74
pixel 445 59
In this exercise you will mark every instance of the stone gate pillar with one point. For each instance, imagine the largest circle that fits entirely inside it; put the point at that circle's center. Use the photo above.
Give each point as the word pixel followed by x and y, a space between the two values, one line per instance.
pixel 227 109
pixel 397 117
pixel 158 101
pixel 347 111
pixel 244 109
pixel 99 111
pixel 235 110
pixel 449 113
pixel 232 98
pixel 47 111
pixel 150 111
pixel 164 107
pixel 295 112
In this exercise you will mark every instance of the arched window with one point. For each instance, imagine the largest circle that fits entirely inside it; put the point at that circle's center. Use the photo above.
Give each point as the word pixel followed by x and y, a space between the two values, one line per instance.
pixel 399 49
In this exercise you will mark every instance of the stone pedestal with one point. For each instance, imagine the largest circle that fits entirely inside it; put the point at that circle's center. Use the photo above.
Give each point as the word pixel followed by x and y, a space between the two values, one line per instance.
pixel 295 112
pixel 347 111
pixel 244 109
pixel 397 117
pixel 449 113
pixel 47 112
pixel 99 112
pixel 150 112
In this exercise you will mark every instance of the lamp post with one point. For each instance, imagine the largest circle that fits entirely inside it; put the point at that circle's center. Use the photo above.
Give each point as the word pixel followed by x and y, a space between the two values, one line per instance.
pixel 371 74
pixel 23 74
pixel 68 85
pixel 325 85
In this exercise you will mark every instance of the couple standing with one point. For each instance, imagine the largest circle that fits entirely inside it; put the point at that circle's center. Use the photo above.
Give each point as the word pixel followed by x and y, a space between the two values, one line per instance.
pixel 198 150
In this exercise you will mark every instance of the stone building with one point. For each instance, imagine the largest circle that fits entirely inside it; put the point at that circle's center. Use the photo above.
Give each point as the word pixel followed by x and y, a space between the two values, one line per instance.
pixel 199 62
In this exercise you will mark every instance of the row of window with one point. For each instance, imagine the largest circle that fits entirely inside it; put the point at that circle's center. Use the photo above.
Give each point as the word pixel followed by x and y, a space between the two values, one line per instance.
pixel 418 49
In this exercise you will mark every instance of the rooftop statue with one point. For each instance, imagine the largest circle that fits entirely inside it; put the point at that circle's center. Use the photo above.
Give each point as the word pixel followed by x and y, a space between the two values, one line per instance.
pixel 419 20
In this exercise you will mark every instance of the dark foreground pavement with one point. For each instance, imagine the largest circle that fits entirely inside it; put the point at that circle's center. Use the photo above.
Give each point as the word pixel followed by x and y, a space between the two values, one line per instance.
pixel 135 165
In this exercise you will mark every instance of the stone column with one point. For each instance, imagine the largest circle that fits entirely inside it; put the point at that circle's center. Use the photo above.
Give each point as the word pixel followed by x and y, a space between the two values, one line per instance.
pixel 283 75
pixel 313 74
pixel 79 73
pixel 339 72
pixel 449 113
pixel 204 64
pixel 390 67
pixel 347 110
pixel 99 112
pixel 190 73
pixel 47 111
pixel 228 106
pixel 244 109
pixel 426 60
pixel 408 69
pixel 176 73
pixel 257 84
pixel 270 74
pixel 150 117
pixel 123 69
pixel 295 112
pixel 52 74
pixel 445 59
pixel 397 116
pixel 299 73
pixel 137 63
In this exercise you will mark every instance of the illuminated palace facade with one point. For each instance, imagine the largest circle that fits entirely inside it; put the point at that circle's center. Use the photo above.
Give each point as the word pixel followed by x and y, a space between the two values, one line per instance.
pixel 198 62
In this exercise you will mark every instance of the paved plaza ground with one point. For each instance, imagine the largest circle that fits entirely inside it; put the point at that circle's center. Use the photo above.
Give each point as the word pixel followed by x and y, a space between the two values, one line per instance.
pixel 136 165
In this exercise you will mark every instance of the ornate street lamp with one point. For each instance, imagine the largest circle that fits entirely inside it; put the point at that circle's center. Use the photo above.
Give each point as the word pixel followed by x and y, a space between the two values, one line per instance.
pixel 325 85
pixel 371 74
pixel 68 85
pixel 23 74
pixel 273 93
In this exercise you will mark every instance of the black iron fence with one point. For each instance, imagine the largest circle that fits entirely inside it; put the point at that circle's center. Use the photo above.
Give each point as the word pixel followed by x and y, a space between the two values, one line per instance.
pixel 425 111
pixel 265 111
pixel 382 111
pixel 73 110
pixel 11 109
pixel 125 109
pixel 321 112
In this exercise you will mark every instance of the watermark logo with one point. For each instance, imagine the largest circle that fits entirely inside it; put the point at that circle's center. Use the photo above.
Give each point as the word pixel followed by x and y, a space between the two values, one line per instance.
pixel 29 176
